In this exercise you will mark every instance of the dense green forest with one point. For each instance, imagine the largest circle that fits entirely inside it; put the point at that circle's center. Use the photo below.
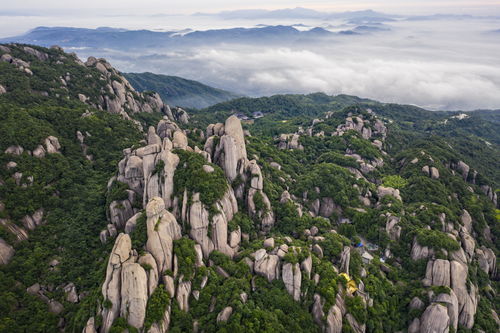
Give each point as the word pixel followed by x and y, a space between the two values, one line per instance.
pixel 177 91
pixel 320 213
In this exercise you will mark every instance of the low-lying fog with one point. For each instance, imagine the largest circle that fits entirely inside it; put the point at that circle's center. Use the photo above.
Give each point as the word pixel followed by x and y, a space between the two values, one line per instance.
pixel 442 63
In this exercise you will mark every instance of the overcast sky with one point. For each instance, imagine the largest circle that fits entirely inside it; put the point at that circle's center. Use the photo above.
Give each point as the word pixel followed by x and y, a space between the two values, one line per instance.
pixel 96 7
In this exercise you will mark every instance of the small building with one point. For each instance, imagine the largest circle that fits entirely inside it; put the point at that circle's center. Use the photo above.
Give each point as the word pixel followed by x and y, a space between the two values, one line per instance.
pixel 366 257
pixel 258 115
pixel 241 116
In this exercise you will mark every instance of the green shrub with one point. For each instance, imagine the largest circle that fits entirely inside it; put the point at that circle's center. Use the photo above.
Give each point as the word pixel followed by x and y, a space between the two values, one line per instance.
pixel 437 240
pixel 190 175
pixel 394 181
pixel 156 307
pixel 186 257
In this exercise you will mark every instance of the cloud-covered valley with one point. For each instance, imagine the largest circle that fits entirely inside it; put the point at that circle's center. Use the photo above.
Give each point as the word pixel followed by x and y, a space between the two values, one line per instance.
pixel 437 62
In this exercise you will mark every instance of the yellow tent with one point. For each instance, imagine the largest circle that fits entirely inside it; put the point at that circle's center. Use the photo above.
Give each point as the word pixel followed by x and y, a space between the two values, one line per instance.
pixel 351 284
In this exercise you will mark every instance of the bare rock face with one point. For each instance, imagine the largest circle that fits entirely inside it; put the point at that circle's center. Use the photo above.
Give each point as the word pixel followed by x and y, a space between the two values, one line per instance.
pixel 435 319
pixel 148 262
pixel 52 145
pixel 134 294
pixel 487 260
pixel 334 320
pixel 317 310
pixel 292 278
pixel 328 207
pixel 463 169
pixel 420 252
pixel 90 326
pixel 466 220
pixel 224 314
pixel 39 152
pixel 120 212
pixel 438 272
pixel 42 56
pixel 71 295
pixel 199 222
pixel 345 258
pixel 265 214
pixel 467 301
pixel 392 228
pixel 162 230
pixel 14 150
pixel 357 327
pixel 233 148
pixel 6 252
pixel 306 266
pixel 111 287
pixel 451 303
pixel 414 326
pixel 383 191
pixel 490 193
pixel 131 223
pixel 216 238
pixel 434 173
pixel 266 265
pixel 416 303
pixel 182 295
pixel 55 307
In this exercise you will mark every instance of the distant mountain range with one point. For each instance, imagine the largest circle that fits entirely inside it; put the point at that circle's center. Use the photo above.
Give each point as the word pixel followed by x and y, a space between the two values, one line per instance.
pixel 137 39
pixel 177 91
pixel 298 13
pixel 123 39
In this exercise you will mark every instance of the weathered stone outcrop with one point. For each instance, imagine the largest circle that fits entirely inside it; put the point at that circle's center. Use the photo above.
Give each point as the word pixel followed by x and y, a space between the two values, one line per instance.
pixel 392 228
pixel 334 320
pixel 435 319
pixel 289 141
pixel 438 273
pixel 420 252
pixel 183 292
pixel 462 300
pixel 224 314
pixel 120 97
pixel 52 145
pixel 111 288
pixel 162 230
pixel 487 260
pixel 384 191
pixel 267 265
pixel 134 294
pixel 230 154
pixel 6 252
pixel 292 278
pixel 467 301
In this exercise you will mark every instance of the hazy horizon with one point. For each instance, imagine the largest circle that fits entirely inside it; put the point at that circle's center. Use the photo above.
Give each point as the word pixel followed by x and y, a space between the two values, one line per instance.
pixel 434 62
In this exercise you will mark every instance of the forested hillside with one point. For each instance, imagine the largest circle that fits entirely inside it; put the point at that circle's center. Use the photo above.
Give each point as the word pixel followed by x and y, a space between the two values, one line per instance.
pixel 178 91
pixel 290 213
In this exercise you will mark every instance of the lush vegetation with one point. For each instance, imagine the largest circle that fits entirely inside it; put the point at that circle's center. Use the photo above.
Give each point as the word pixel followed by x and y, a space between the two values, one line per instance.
pixel 157 305
pixel 70 188
pixel 73 193
pixel 190 176
pixel 177 91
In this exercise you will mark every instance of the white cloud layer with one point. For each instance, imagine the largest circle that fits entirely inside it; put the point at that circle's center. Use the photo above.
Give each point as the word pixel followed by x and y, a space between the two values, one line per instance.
pixel 437 65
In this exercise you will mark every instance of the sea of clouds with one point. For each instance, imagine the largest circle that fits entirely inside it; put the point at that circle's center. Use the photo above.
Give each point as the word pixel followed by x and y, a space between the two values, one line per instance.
pixel 447 63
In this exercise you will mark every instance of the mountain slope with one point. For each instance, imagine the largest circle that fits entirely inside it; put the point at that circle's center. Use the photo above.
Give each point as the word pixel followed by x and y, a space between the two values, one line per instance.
pixel 319 213
pixel 179 91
